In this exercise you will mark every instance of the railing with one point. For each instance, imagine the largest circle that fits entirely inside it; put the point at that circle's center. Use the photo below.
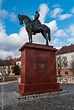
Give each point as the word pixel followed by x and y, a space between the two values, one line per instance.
pixel 7 78
pixel 66 79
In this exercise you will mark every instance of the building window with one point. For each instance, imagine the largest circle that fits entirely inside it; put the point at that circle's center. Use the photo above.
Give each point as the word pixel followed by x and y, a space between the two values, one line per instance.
pixel 72 56
pixel 66 72
pixel 64 58
pixel 65 64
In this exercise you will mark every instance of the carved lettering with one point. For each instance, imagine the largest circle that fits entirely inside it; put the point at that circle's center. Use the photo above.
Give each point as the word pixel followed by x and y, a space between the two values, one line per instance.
pixel 41 66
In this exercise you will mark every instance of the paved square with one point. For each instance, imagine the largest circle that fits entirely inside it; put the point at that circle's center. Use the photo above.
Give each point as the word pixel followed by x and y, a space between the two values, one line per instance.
pixel 55 101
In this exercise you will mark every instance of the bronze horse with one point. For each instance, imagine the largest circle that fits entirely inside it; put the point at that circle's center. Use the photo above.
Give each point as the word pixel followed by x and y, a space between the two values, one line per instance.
pixel 33 27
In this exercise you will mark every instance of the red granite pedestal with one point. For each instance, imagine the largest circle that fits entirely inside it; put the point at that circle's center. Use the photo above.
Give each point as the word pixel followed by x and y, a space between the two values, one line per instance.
pixel 38 69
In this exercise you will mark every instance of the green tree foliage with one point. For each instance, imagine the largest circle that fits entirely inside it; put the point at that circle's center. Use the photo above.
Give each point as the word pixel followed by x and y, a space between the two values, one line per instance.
pixel 16 69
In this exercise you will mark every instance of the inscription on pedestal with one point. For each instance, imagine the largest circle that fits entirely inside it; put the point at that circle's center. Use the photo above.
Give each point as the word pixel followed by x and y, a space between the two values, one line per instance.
pixel 41 66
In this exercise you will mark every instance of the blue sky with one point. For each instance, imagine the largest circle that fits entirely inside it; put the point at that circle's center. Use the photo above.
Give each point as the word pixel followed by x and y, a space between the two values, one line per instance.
pixel 58 15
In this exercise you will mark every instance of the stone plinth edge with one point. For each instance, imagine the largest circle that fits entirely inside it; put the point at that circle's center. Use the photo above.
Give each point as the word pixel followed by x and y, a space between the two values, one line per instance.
pixel 37 46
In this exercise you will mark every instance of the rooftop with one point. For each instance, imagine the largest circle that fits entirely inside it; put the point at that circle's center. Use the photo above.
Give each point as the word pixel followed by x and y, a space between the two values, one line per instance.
pixel 66 49
pixel 9 62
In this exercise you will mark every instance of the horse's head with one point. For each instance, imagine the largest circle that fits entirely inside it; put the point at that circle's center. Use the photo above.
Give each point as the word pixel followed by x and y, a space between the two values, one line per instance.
pixel 25 18
pixel 20 19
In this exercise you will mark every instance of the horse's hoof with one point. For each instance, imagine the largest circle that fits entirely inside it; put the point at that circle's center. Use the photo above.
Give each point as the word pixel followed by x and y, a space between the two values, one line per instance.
pixel 46 44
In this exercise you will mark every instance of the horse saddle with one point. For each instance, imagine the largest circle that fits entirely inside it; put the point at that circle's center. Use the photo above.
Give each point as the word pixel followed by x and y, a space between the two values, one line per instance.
pixel 36 24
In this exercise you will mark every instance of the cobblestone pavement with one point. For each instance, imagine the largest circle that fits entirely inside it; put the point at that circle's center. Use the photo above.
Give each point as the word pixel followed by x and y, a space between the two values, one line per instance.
pixel 55 101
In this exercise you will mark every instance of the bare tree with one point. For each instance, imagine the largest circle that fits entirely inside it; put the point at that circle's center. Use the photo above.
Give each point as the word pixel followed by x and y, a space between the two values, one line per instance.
pixel 59 63
pixel 9 61
pixel 72 66
pixel 8 57
pixel 2 66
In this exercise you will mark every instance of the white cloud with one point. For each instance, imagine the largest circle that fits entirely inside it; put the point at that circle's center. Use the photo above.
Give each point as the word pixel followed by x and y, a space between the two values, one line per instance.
pixel 52 25
pixel 16 40
pixel 14 54
pixel 3 14
pixel 39 39
pixel 65 16
pixel 56 43
pixel 60 33
pixel 10 44
pixel 0 4
pixel 43 11
pixel 55 12
pixel 71 30
pixel 2 35
pixel 72 10
pixel 56 5
pixel 71 40
pixel 12 17
pixel 14 8
pixel 3 53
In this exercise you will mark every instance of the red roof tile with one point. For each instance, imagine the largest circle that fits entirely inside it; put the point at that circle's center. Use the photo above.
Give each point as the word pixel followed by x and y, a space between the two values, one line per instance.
pixel 66 49
pixel 9 62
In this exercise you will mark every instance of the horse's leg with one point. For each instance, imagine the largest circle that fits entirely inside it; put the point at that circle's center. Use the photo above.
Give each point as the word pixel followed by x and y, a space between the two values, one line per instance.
pixel 49 36
pixel 30 36
pixel 45 36
pixel 46 40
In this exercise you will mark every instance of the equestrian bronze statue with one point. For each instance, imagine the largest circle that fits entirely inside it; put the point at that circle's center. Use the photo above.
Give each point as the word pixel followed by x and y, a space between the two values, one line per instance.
pixel 35 26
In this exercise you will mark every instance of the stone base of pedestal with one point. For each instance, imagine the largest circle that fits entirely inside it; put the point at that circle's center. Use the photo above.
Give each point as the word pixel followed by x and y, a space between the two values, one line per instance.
pixel 37 89
pixel 38 69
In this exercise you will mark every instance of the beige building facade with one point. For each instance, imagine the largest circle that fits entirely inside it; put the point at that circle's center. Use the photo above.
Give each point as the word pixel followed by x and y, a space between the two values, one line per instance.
pixel 66 55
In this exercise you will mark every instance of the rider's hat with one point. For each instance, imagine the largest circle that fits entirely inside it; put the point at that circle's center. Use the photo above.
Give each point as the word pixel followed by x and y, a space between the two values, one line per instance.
pixel 36 11
pixel 18 15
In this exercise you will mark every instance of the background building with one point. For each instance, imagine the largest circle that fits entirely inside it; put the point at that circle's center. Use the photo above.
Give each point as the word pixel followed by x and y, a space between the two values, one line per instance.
pixel 7 65
pixel 65 60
